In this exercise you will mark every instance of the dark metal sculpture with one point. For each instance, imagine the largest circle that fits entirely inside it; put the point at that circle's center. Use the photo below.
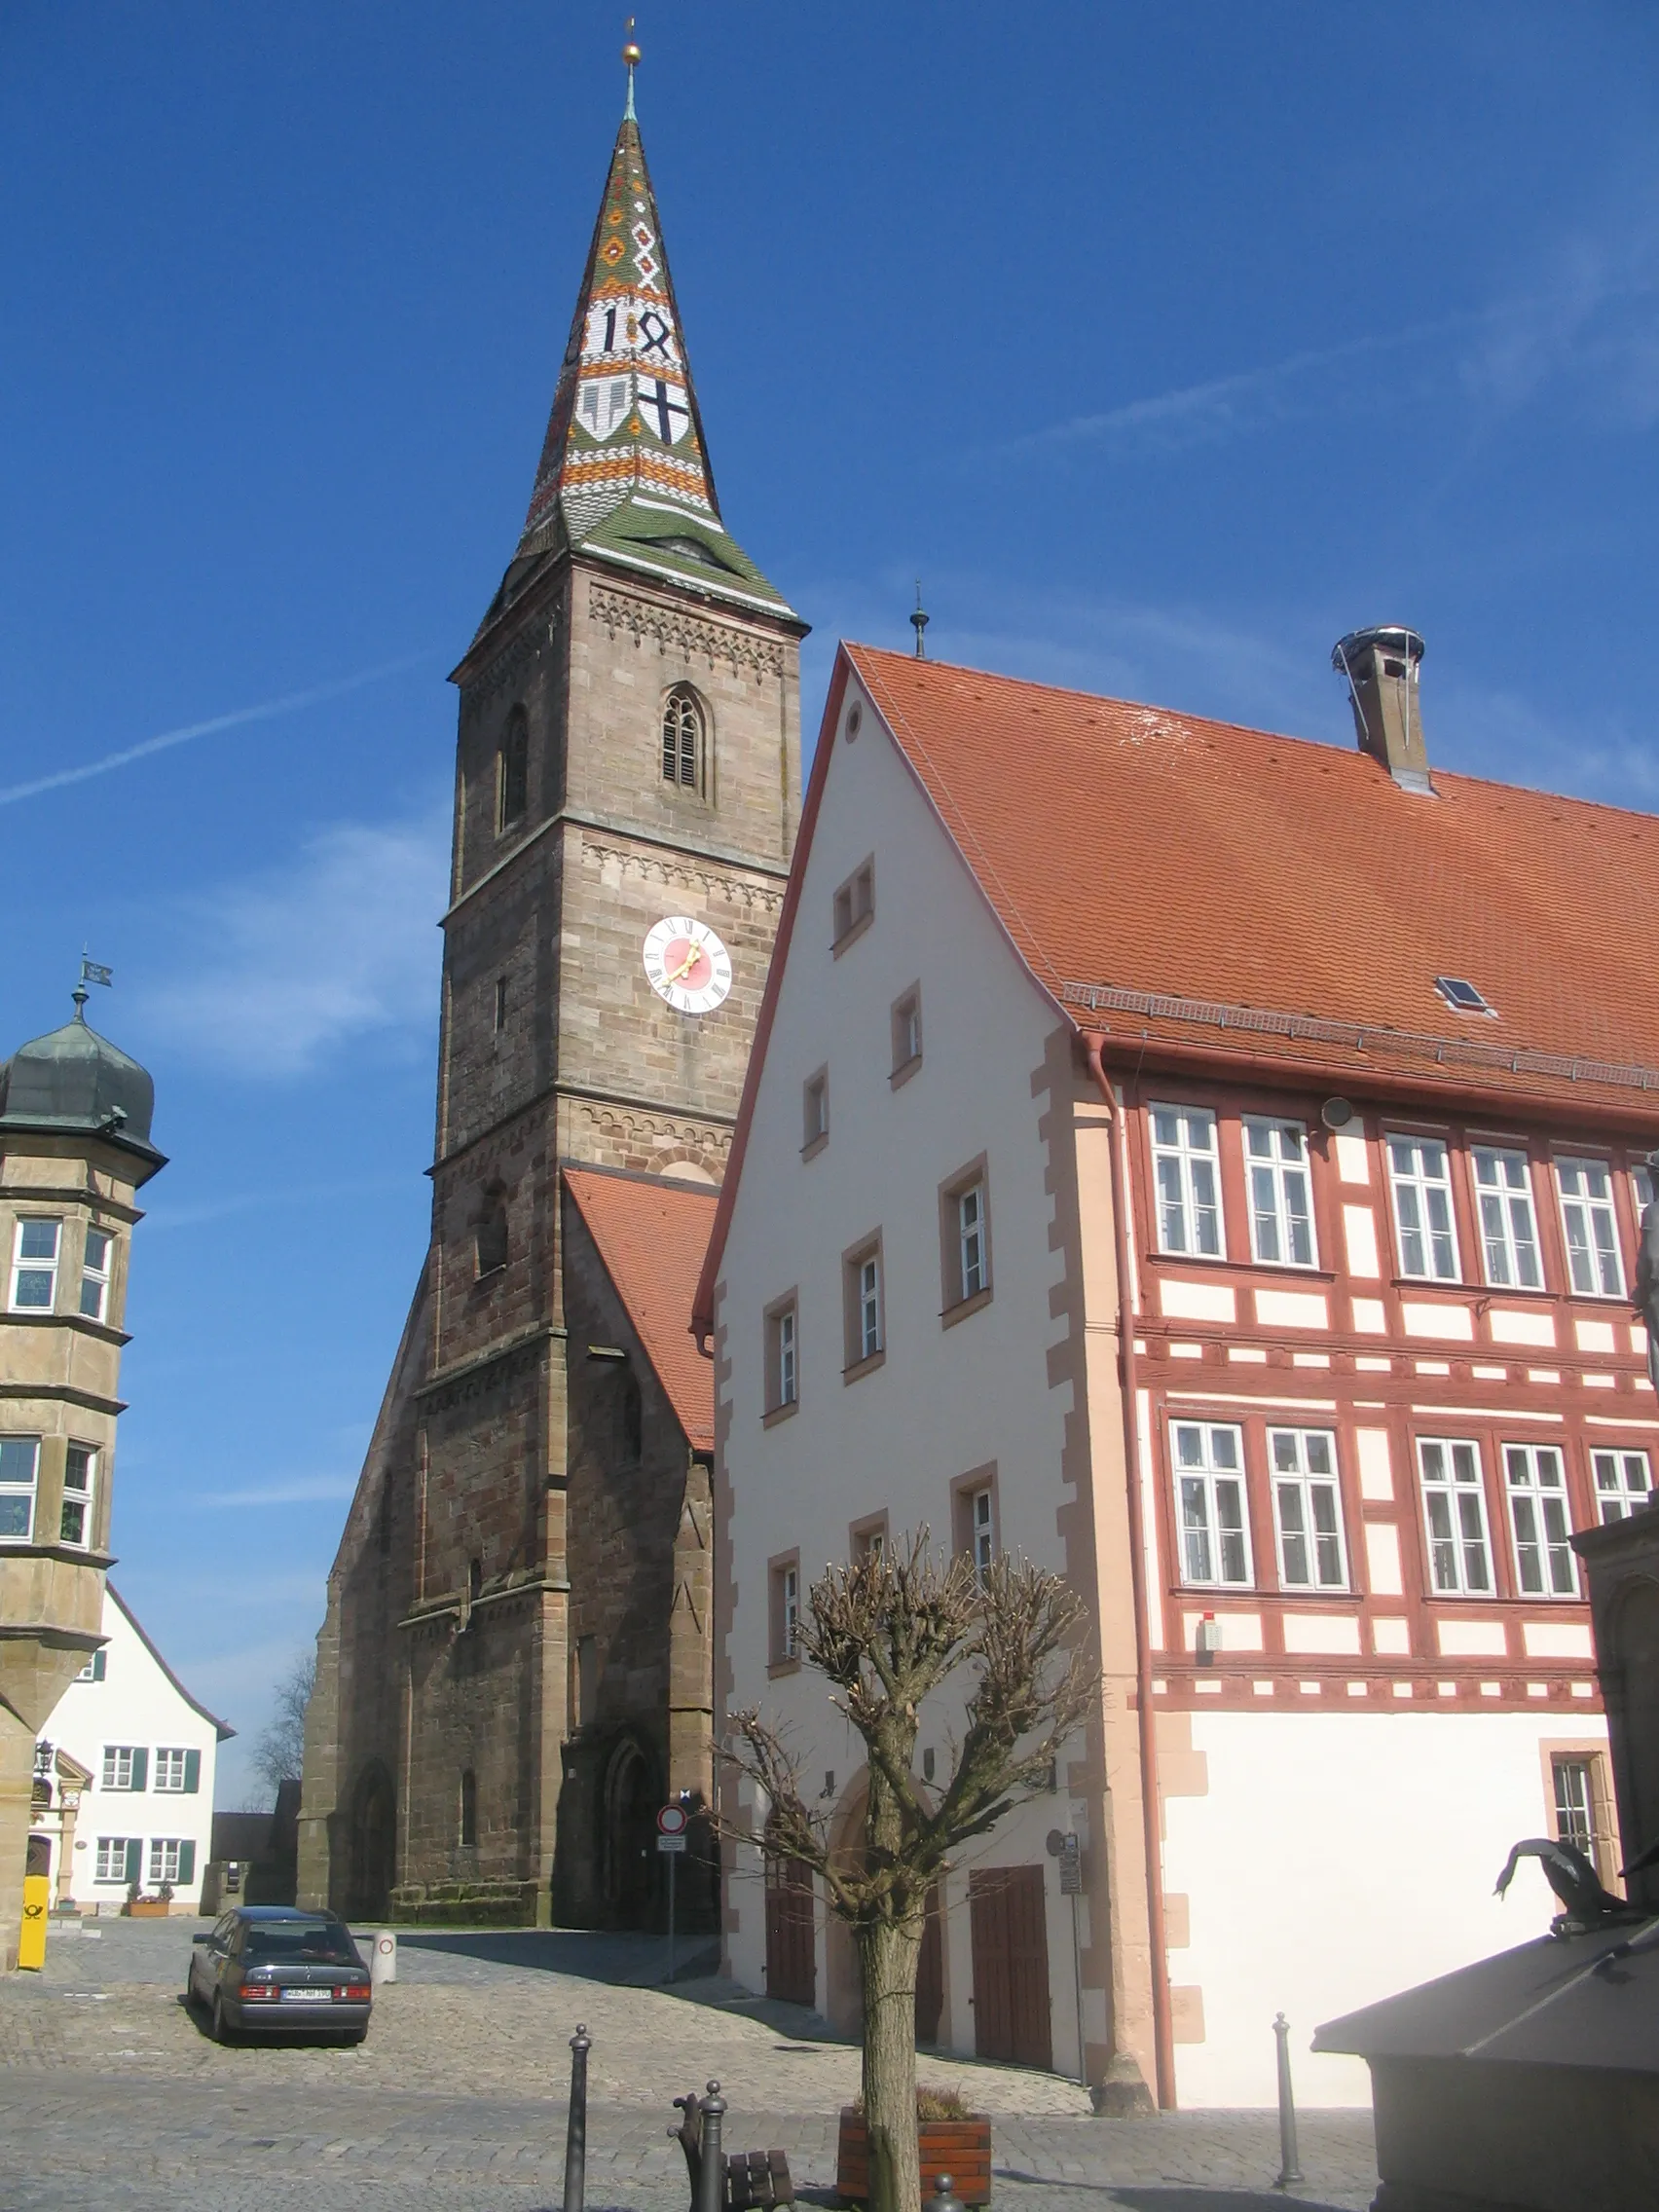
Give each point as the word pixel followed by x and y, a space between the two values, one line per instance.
pixel 1575 1881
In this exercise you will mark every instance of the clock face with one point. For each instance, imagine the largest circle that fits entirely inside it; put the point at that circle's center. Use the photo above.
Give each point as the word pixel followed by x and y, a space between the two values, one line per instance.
pixel 687 964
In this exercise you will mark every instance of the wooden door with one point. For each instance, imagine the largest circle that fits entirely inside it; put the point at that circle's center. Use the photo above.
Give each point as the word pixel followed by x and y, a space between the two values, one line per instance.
pixel 1011 1965
pixel 930 1973
pixel 792 1972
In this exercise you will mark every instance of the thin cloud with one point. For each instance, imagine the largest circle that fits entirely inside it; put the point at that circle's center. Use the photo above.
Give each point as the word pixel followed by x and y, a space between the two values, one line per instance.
pixel 285 969
pixel 268 710
pixel 297 1489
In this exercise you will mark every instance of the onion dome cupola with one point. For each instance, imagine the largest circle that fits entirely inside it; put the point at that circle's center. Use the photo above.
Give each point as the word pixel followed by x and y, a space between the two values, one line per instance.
pixel 74 1082
pixel 624 471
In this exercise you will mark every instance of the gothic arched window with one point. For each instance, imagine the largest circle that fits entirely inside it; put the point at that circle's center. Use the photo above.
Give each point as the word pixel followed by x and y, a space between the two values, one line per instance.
pixel 492 1234
pixel 685 736
pixel 512 772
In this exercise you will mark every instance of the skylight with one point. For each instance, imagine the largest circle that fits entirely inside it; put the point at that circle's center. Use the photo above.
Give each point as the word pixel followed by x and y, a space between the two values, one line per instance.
pixel 1461 996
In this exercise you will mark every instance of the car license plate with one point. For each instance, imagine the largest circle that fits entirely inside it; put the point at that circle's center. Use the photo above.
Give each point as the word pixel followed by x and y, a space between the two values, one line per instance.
pixel 308 1996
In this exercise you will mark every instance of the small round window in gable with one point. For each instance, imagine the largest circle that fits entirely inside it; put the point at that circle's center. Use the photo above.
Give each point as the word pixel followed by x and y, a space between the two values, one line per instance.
pixel 854 720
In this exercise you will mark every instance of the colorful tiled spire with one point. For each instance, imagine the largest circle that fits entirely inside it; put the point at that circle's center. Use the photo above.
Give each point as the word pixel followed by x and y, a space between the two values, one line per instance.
pixel 624 468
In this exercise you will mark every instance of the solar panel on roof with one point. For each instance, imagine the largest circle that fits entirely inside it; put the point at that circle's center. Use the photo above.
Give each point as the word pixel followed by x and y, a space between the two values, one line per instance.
pixel 1460 994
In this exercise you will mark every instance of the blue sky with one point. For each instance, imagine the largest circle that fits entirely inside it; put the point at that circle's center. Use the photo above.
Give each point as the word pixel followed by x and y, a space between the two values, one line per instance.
pixel 1163 343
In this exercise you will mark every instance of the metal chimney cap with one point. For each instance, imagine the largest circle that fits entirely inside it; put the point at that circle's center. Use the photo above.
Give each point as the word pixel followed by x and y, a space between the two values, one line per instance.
pixel 1390 637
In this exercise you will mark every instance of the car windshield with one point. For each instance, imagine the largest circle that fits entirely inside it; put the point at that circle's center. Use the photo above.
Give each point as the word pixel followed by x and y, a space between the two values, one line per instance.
pixel 324 1941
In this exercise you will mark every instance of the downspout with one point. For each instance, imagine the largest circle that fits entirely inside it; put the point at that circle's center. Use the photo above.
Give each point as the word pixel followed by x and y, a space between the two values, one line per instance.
pixel 1164 2039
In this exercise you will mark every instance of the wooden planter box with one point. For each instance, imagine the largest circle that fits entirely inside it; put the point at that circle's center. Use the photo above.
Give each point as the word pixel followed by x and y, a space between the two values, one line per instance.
pixel 959 2148
pixel 147 1908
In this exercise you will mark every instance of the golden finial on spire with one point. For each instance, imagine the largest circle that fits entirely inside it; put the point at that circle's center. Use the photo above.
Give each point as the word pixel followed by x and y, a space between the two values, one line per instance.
pixel 631 56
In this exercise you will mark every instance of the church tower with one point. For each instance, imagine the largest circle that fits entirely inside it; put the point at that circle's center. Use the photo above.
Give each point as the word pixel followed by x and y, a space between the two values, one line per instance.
pixel 627 793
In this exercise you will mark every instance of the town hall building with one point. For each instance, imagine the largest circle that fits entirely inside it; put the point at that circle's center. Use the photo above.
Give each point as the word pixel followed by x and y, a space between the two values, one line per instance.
pixel 513 1674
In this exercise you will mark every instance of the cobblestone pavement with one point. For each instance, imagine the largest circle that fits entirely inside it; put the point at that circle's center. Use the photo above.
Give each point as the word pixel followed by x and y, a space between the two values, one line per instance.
pixel 112 2096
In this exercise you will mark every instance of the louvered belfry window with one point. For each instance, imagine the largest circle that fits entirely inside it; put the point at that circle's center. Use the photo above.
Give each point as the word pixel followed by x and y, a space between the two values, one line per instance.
pixel 683 740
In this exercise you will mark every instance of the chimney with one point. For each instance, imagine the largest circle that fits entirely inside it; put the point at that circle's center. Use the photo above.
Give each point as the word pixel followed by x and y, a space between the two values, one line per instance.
pixel 1381 665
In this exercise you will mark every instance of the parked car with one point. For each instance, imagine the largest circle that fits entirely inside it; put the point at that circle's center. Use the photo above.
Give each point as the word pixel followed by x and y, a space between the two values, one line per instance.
pixel 276 1969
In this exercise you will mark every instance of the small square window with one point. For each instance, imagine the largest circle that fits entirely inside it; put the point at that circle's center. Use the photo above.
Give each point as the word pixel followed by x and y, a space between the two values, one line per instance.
pixel 94 1274
pixel 1461 996
pixel 1623 1484
pixel 34 1264
pixel 125 1766
pixel 853 905
pixel 20 1468
pixel 868 1538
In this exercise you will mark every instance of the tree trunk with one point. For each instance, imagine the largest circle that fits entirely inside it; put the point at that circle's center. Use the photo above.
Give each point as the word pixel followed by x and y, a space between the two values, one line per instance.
pixel 888 1952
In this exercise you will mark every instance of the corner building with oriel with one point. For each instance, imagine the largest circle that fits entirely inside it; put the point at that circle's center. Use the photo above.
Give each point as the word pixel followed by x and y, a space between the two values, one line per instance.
pixel 514 1667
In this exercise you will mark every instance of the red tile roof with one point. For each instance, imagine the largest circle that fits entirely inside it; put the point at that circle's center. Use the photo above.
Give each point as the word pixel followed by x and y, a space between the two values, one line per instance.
pixel 651 1233
pixel 1195 885
pixel 1156 852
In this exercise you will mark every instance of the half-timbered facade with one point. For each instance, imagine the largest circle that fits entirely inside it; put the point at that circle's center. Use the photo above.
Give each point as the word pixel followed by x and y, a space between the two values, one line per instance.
pixel 1209 1164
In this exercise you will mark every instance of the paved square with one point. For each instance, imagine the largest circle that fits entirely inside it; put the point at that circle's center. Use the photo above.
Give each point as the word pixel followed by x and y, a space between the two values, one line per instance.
pixel 111 2095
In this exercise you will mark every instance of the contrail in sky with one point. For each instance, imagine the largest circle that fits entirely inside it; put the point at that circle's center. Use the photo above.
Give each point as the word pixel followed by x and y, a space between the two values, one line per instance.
pixel 288 704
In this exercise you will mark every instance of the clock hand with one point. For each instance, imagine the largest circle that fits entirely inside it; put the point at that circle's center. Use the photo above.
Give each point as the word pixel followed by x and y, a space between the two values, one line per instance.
pixel 686 965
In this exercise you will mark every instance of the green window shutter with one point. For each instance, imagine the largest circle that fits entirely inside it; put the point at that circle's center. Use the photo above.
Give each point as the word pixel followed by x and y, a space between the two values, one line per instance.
pixel 141 1768
pixel 100 1663
pixel 192 1775
pixel 187 1859
pixel 135 1861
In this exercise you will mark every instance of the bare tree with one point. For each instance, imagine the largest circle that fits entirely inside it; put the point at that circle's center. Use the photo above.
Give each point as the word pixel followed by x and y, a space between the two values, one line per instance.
pixel 888 1631
pixel 278 1752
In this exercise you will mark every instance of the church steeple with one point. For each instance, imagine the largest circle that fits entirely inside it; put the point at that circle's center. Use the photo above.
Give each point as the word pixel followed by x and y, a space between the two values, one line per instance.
pixel 624 470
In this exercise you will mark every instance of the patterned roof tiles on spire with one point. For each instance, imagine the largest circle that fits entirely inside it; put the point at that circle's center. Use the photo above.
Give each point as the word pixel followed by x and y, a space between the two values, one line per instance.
pixel 624 467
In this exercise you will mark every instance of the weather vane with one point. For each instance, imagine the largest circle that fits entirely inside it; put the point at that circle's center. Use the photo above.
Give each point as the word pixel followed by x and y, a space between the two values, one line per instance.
pixel 92 971
pixel 919 622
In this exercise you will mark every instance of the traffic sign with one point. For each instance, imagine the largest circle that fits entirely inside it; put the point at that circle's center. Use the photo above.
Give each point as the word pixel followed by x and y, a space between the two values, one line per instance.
pixel 671 1820
pixel 671 1843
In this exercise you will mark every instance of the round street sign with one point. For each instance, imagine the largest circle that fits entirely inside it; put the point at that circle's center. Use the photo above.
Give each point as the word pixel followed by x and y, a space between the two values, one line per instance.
pixel 671 1820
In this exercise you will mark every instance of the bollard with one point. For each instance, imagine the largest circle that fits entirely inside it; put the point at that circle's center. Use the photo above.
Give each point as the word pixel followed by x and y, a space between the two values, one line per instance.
pixel 1290 2168
pixel 382 1957
pixel 945 2198
pixel 575 2129
pixel 711 2177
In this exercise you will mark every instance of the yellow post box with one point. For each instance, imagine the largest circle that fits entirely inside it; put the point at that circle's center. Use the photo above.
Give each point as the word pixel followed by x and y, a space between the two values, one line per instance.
pixel 31 1943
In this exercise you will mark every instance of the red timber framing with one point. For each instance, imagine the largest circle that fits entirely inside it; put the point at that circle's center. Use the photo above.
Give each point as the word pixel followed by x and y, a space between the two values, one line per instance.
pixel 1352 1348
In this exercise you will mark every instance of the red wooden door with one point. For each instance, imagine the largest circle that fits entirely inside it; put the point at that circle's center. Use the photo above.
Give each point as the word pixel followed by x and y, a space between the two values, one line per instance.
pixel 1011 1965
pixel 791 1965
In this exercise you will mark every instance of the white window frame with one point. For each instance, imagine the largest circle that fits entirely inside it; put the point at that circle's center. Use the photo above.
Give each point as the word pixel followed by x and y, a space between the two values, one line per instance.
pixel 79 1497
pixel 1273 1177
pixel 26 1265
pixel 1201 1483
pixel 1301 1477
pixel 14 1486
pixel 1180 1170
pixel 1617 1498
pixel 1540 1519
pixel 1598 1213
pixel 1506 1250
pixel 787 1350
pixel 789 1610
pixel 1583 1765
pixel 118 1761
pixel 163 1859
pixel 870 1338
pixel 980 1509
pixel 97 1279
pixel 1414 1190
pixel 1642 1188
pixel 1451 1546
pixel 973 1248
pixel 112 1857
pixel 168 1760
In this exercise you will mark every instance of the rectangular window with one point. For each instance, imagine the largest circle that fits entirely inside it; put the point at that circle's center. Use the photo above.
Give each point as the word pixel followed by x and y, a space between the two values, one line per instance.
pixel 34 1264
pixel 786 1609
pixel 1422 1179
pixel 907 1024
pixel 981 1530
pixel 117 1859
pixel 972 1260
pixel 167 1858
pixel 854 904
pixel 815 1113
pixel 1537 1481
pixel 782 1356
pixel 1623 1484
pixel 94 1274
pixel 1281 1206
pixel 866 1330
pixel 97 1668
pixel 512 773
pixel 170 1769
pixel 500 1004
pixel 1592 1232
pixel 20 1465
pixel 1308 1508
pixel 80 1473
pixel 1572 1780
pixel 1209 1478
pixel 125 1766
pixel 867 1539
pixel 1186 1170
pixel 1509 1233
pixel 1453 1504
